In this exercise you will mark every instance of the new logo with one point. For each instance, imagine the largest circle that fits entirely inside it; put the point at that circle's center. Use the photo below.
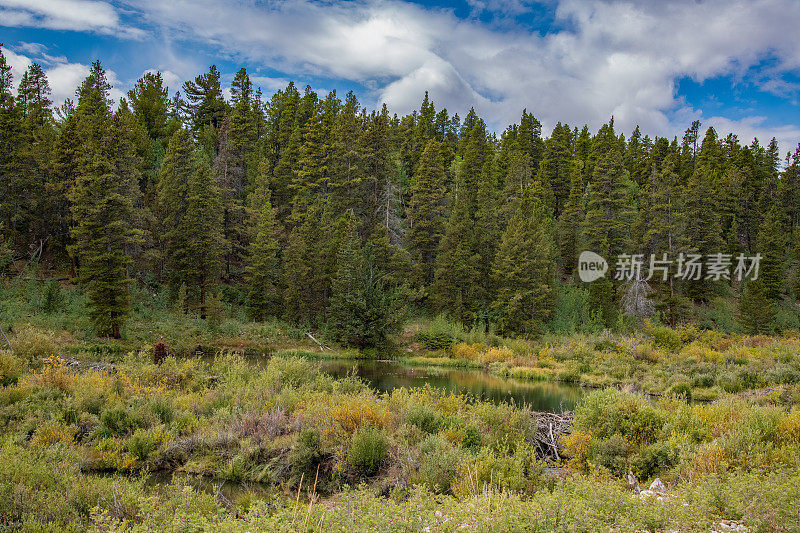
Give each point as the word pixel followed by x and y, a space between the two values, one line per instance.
pixel 591 266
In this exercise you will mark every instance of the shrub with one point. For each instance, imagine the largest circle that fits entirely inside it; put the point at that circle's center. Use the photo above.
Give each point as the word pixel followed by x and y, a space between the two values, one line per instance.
pixel 608 412
pixel 519 471
pixel 611 453
pixel 576 447
pixel 306 456
pixel 652 459
pixel 32 344
pixel 143 443
pixel 367 451
pixel 440 334
pixel 52 299
pixel 470 352
pixel 424 417
pixel 356 412
pixel 53 432
pixel 118 421
pixel 11 368
pixel 162 409
pixel 666 338
pixel 438 464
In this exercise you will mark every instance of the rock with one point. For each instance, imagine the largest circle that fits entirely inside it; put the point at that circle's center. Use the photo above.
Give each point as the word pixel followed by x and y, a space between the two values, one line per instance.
pixel 633 485
pixel 658 486
pixel 725 526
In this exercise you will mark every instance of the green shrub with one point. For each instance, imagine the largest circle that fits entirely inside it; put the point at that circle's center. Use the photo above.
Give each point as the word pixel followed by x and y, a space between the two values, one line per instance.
pixel 32 344
pixel 11 368
pixel 682 389
pixel 306 456
pixel 367 451
pixel 52 299
pixel 607 412
pixel 142 443
pixel 438 463
pixel 162 409
pixel 611 453
pixel 118 421
pixel 424 417
pixel 440 334
pixel 472 438
pixel 666 338
pixel 652 459
pixel 514 468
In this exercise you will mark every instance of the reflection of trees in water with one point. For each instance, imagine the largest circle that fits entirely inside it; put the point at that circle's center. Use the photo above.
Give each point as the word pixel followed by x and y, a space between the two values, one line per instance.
pixel 386 376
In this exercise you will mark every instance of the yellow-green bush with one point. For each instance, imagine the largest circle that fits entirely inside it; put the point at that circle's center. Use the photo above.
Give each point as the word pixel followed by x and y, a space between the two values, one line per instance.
pixel 32 344
pixel 367 451
pixel 11 367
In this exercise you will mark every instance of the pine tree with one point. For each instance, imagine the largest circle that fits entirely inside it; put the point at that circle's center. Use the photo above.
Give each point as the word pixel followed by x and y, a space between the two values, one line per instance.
pixel 297 276
pixel 456 274
pixel 179 165
pixel 10 133
pixel 149 100
pixel 102 209
pixel 702 234
pixel 568 227
pixel 772 245
pixel 426 211
pixel 264 270
pixel 555 167
pixel 756 311
pixel 206 106
pixel 204 239
pixel 523 270
pixel 362 313
pixel 608 213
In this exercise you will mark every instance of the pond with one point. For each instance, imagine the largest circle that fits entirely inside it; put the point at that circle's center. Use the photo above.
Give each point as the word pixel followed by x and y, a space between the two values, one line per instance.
pixel 386 375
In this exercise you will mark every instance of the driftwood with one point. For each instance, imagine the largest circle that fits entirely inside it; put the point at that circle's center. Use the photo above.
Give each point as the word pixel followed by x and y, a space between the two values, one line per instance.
pixel 549 428
pixel 322 347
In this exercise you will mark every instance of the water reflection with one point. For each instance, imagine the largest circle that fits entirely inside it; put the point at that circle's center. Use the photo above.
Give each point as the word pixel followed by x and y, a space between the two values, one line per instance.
pixel 387 375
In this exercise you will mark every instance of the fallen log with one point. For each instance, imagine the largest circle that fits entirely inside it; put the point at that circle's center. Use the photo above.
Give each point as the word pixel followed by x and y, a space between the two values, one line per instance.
pixel 549 428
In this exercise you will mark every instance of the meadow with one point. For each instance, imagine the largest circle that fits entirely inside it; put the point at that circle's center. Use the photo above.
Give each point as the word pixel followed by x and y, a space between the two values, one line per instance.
pixel 98 436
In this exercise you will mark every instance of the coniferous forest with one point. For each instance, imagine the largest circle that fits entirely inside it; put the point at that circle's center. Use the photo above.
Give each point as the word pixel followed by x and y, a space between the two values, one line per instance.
pixel 322 212
pixel 222 310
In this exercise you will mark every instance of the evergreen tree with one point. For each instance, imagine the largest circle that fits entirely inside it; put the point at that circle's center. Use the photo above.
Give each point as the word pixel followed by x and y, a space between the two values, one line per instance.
pixel 772 247
pixel 264 270
pixel 523 270
pixel 206 107
pixel 426 211
pixel 102 209
pixel 555 167
pixel 608 213
pixel 362 313
pixel 10 126
pixel 756 311
pixel 568 228
pixel 179 165
pixel 204 237
pixel 702 234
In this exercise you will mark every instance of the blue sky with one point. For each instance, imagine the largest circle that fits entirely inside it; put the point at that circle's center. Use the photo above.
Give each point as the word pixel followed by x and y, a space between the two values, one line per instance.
pixel 733 64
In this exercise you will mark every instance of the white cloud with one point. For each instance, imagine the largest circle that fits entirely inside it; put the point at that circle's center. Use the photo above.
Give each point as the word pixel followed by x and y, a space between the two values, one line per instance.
pixel 64 77
pixel 611 57
pixel 19 64
pixel 620 58
pixel 75 15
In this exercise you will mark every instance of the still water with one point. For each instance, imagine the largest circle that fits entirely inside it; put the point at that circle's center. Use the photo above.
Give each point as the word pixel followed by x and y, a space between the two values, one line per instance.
pixel 385 375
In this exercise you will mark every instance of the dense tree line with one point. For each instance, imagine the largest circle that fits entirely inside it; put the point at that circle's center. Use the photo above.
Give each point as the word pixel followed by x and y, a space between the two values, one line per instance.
pixel 321 211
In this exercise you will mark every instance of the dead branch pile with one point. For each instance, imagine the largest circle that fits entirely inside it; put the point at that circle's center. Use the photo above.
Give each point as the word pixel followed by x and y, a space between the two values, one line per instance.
pixel 549 428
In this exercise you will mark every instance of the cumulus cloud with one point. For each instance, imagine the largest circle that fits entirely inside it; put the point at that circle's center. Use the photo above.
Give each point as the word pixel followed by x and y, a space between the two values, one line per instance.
pixel 63 76
pixel 614 58
pixel 606 57
pixel 76 15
